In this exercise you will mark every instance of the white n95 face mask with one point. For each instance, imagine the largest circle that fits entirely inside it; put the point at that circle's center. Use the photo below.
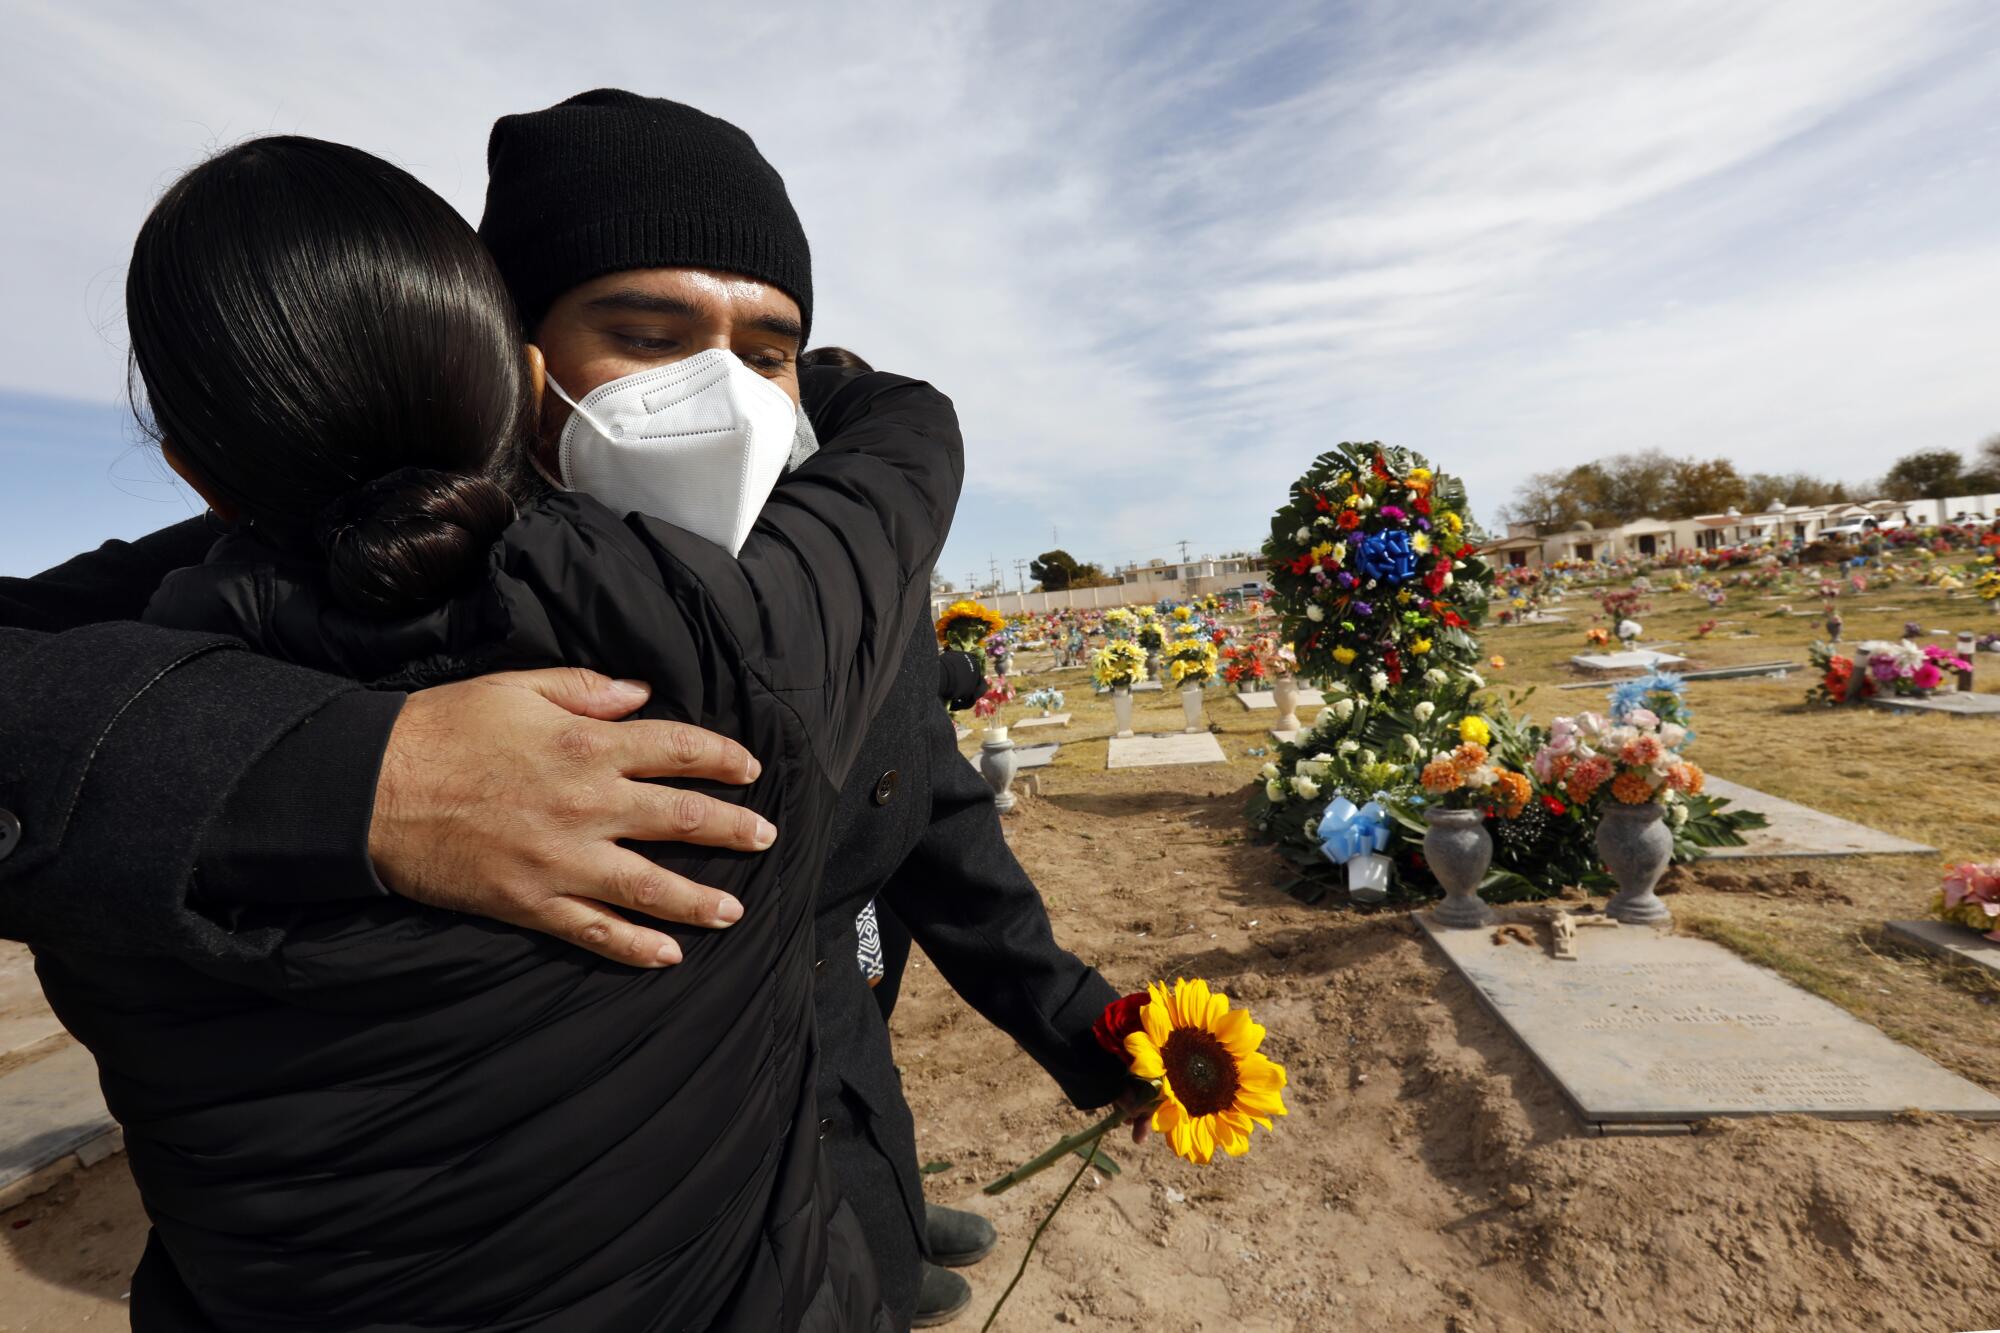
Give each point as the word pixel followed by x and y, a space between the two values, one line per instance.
pixel 699 443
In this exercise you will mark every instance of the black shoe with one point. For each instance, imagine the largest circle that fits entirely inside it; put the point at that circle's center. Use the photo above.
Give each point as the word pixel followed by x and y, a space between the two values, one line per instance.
pixel 957 1238
pixel 941 1298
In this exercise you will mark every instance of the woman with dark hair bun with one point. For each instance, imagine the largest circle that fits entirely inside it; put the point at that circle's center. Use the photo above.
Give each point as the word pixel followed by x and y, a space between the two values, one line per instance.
pixel 405 1118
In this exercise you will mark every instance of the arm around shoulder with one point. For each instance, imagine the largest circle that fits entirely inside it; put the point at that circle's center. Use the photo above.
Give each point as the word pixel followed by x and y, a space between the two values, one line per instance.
pixel 119 745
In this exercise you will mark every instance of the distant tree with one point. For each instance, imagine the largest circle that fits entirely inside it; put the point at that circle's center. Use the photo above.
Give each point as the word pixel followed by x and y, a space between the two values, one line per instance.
pixel 1983 477
pixel 1930 474
pixel 1702 487
pixel 1055 570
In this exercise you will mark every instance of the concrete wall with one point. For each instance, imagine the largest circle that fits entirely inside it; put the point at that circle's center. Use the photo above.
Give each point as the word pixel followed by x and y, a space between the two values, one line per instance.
pixel 1144 592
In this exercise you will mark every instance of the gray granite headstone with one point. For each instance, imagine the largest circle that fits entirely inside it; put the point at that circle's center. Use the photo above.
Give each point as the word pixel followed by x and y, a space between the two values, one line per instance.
pixel 1798 830
pixel 1947 941
pixel 1953 704
pixel 1649 1028
pixel 1156 751
pixel 1254 699
pixel 1052 720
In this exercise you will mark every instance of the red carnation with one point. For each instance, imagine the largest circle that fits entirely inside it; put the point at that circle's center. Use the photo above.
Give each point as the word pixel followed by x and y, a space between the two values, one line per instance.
pixel 1348 520
pixel 1119 1020
pixel 1554 806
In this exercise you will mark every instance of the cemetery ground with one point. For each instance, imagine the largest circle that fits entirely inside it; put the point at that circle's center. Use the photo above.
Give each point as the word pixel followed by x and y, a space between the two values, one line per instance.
pixel 1429 1176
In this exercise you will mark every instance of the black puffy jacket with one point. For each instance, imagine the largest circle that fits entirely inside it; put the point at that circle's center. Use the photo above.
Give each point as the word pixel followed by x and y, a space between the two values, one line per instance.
pixel 406 1119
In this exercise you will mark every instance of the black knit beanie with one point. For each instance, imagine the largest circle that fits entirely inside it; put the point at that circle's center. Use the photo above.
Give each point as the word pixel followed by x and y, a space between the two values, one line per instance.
pixel 609 180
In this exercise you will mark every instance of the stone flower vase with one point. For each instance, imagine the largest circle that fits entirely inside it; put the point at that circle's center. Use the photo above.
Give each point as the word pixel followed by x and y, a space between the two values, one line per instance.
pixel 1285 691
pixel 1152 664
pixel 1121 708
pixel 1191 707
pixel 1635 845
pixel 997 764
pixel 1458 849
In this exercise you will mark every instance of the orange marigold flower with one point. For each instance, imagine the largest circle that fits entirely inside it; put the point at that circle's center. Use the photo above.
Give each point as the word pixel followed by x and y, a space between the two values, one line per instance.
pixel 1511 790
pixel 1442 775
pixel 1468 757
pixel 1631 788
pixel 1686 778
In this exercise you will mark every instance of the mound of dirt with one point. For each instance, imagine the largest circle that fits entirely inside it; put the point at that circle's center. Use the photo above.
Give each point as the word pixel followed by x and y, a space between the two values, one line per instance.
pixel 1428 1176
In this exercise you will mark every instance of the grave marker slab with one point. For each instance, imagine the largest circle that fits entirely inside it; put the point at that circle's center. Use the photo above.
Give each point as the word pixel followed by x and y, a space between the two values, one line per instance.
pixel 1053 720
pixel 25 1019
pixel 1957 703
pixel 1286 737
pixel 1146 686
pixel 1637 659
pixel 1265 699
pixel 49 1109
pixel 1025 757
pixel 1649 1028
pixel 1947 941
pixel 1156 751
pixel 1798 830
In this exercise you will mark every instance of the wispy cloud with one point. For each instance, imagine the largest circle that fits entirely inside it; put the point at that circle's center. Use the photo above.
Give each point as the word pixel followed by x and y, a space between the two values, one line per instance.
pixel 1161 255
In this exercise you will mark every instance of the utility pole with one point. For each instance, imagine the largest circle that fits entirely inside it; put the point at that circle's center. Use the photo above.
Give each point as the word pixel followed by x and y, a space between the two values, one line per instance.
pixel 1020 579
pixel 994 566
pixel 1183 545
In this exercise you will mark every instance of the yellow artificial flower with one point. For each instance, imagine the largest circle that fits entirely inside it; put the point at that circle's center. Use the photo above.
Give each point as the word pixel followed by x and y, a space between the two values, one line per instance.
pixel 1183 613
pixel 1421 543
pixel 1420 645
pixel 1214 1085
pixel 1343 655
pixel 1475 730
pixel 1454 523
pixel 1322 551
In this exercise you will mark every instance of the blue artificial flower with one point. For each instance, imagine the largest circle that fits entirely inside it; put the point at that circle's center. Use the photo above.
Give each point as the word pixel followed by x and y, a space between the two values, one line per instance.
pixel 1662 691
pixel 1386 557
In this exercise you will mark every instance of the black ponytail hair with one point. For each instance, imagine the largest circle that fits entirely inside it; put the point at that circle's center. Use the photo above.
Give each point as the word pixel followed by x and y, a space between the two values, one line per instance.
pixel 326 343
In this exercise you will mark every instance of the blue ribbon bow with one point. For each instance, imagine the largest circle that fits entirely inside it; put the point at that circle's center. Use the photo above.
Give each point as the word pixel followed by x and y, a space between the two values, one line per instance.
pixel 1347 830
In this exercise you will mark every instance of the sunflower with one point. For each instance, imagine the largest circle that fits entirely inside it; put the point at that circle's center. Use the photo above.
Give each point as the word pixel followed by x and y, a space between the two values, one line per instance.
pixel 1213 1083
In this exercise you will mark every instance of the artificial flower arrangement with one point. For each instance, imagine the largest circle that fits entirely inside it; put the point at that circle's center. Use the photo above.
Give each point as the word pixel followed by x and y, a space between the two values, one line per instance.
pixel 1364 749
pixel 1374 566
pixel 1191 660
pixel 998 694
pixel 1120 622
pixel 1599 637
pixel 1836 683
pixel 1971 898
pixel 1047 698
pixel 1635 759
pixel 1906 669
pixel 1119 664
pixel 966 625
pixel 1151 634
pixel 1203 1080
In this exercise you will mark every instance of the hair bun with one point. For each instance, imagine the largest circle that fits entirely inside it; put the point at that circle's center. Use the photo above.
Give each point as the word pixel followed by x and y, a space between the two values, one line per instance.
pixel 411 538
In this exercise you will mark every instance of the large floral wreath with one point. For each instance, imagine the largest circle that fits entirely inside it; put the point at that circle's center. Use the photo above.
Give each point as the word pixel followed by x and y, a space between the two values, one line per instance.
pixel 1374 569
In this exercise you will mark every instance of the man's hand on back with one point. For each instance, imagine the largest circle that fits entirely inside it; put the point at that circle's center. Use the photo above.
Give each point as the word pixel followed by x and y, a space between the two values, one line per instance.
pixel 505 797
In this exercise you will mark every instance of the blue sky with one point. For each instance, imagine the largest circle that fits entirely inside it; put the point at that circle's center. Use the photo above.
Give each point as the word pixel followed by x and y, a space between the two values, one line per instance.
pixel 1160 255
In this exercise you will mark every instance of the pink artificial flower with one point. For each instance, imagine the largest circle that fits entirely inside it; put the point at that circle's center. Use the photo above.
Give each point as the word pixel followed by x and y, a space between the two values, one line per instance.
pixel 1927 676
pixel 1645 719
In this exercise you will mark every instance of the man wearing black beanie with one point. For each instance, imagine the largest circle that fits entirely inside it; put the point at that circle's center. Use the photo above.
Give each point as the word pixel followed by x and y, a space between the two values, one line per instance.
pixel 635 232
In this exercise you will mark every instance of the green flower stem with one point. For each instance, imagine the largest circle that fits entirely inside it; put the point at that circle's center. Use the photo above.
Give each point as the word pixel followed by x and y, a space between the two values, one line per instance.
pixel 1093 1136
pixel 1036 1165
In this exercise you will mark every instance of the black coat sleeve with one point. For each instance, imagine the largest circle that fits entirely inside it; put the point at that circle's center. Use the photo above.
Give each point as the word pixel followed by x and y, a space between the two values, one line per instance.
pixel 296 818
pixel 978 916
pixel 119 745
pixel 836 572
